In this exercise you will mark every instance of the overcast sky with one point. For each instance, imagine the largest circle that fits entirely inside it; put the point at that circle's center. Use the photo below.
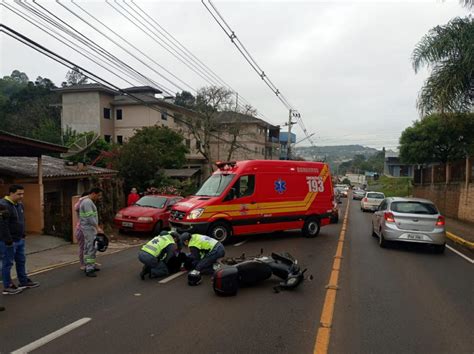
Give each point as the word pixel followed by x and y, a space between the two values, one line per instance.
pixel 344 65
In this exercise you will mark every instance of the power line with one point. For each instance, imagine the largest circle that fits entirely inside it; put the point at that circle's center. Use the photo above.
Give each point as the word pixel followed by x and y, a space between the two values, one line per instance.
pixel 91 56
pixel 128 52
pixel 71 31
pixel 149 31
pixel 185 51
pixel 56 57
pixel 252 62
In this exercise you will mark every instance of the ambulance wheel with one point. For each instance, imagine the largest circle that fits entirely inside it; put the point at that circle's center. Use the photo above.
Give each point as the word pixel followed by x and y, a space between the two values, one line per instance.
pixel 221 231
pixel 311 227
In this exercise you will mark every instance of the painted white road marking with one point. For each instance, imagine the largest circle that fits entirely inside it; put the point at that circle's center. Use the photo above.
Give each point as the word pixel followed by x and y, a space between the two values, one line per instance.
pixel 171 277
pixel 460 254
pixel 52 336
pixel 240 243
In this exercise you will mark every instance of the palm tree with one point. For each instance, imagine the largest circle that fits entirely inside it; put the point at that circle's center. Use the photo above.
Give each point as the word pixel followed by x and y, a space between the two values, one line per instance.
pixel 449 51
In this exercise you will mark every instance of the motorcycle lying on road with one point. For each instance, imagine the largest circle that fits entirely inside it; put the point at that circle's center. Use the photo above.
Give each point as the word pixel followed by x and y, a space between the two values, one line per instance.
pixel 234 273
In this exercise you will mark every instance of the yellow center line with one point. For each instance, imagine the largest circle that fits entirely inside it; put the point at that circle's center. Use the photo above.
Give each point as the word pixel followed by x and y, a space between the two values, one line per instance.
pixel 325 324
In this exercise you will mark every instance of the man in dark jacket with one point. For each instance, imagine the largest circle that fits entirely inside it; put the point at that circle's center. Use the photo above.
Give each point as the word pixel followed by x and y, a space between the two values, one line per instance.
pixel 12 242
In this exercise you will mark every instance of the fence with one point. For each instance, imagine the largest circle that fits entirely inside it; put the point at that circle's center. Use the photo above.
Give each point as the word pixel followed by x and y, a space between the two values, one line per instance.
pixel 454 172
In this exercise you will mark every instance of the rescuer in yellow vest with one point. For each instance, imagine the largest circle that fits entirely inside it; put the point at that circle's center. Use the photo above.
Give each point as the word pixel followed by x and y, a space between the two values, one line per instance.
pixel 161 256
pixel 204 252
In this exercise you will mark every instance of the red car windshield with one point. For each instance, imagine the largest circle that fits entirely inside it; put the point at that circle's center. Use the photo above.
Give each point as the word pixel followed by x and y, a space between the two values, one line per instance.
pixel 152 202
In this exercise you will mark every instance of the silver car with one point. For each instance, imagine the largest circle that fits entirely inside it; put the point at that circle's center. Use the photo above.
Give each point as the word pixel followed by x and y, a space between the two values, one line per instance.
pixel 409 220
pixel 371 201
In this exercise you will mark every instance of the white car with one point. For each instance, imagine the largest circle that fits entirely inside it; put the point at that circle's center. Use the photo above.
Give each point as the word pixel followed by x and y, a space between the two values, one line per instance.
pixel 371 201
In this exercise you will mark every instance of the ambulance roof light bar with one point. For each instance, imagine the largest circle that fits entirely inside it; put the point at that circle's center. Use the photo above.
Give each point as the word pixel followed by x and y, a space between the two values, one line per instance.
pixel 226 165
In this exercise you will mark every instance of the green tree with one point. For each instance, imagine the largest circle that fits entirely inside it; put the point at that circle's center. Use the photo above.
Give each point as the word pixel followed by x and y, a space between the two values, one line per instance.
pixel 30 108
pixel 150 150
pixel 438 138
pixel 75 77
pixel 449 51
pixel 185 99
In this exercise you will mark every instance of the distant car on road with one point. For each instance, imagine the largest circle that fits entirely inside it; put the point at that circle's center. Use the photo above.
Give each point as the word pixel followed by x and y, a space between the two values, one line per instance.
pixel 358 194
pixel 409 220
pixel 343 189
pixel 371 201
pixel 149 214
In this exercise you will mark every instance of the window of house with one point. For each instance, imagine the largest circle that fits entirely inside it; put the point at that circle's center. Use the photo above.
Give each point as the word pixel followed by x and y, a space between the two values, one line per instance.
pixel 164 115
pixel 263 151
pixel 107 113
pixel 120 139
pixel 119 114
pixel 256 150
pixel 198 144
pixel 107 138
pixel 188 143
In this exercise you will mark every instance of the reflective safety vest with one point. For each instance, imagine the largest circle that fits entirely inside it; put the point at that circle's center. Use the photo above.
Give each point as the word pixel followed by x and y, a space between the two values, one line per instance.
pixel 156 245
pixel 202 243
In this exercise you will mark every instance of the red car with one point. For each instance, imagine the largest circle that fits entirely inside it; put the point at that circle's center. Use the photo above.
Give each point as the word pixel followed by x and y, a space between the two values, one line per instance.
pixel 149 214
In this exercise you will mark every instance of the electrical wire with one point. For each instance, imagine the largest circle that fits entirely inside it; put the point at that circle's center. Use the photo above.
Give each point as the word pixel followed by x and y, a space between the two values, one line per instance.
pixel 252 62
pixel 90 55
pixel 56 57
pixel 86 41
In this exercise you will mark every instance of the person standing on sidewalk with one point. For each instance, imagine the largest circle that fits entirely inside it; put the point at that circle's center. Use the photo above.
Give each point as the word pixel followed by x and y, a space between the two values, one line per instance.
pixel 12 245
pixel 89 224
pixel 78 232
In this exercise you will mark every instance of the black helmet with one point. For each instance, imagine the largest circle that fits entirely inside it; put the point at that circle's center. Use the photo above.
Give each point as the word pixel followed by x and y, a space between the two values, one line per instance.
pixel 194 277
pixel 163 233
pixel 185 236
pixel 101 242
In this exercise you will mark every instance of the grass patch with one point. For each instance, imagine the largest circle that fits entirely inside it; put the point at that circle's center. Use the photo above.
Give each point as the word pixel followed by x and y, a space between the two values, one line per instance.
pixel 392 187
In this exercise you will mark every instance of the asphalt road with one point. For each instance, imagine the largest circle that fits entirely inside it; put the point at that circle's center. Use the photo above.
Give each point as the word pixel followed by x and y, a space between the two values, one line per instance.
pixel 404 299
pixel 390 300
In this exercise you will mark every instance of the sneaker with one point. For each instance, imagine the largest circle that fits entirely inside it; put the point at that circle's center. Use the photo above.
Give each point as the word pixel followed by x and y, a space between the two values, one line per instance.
pixel 82 267
pixel 30 284
pixel 2 308
pixel 12 290
pixel 145 271
pixel 91 274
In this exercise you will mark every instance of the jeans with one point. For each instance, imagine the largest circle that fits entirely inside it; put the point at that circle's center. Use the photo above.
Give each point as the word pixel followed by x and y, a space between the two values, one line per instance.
pixel 157 268
pixel 13 254
pixel 205 264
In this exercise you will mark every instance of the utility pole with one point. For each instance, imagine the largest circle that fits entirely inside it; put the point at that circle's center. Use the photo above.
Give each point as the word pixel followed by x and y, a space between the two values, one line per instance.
pixel 290 123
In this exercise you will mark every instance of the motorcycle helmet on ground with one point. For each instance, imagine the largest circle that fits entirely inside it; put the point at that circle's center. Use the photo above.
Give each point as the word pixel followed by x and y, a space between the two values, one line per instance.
pixel 194 278
pixel 101 242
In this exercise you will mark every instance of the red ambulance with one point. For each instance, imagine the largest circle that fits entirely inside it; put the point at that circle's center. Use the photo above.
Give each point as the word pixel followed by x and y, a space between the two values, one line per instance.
pixel 258 196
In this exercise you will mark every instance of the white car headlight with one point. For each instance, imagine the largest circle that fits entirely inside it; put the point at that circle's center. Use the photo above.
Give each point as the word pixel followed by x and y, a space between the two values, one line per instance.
pixel 118 216
pixel 145 219
pixel 196 213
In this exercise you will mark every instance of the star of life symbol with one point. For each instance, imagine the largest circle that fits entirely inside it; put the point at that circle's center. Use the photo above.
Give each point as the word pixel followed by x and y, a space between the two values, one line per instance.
pixel 280 186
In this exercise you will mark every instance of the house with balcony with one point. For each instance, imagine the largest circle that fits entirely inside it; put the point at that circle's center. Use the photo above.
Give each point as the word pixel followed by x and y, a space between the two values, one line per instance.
pixel 116 115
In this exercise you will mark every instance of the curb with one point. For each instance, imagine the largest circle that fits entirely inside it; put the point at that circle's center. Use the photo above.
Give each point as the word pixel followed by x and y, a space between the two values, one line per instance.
pixel 63 264
pixel 460 240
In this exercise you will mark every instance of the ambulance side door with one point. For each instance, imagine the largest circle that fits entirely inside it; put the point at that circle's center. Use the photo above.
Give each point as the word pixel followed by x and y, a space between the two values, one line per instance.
pixel 242 201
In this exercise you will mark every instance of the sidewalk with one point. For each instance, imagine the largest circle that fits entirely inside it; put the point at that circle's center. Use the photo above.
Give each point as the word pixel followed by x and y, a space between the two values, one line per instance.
pixel 462 229
pixel 47 252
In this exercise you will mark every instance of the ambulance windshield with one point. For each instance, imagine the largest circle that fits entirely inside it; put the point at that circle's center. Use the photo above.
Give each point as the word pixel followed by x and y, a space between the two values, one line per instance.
pixel 215 185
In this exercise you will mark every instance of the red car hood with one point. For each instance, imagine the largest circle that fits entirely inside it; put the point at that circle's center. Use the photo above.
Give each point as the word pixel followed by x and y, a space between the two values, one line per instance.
pixel 137 211
pixel 193 202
